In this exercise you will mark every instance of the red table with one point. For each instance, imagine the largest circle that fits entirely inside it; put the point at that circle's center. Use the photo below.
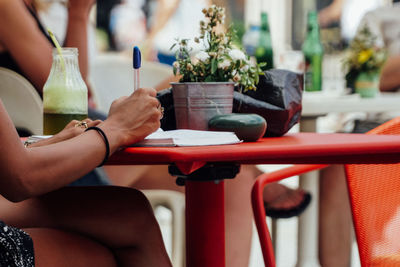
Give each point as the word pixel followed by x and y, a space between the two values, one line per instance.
pixel 205 232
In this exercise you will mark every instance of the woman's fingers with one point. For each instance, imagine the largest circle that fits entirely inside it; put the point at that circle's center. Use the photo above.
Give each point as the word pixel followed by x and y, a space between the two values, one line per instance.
pixel 94 123
pixel 135 116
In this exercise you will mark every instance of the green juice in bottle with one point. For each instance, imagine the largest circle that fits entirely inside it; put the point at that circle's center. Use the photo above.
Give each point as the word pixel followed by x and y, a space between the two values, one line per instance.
pixel 65 95
pixel 313 55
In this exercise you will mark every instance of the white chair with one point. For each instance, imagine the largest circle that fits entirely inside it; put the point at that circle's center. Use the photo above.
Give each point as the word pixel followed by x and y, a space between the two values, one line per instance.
pixel 174 201
pixel 21 101
pixel 111 75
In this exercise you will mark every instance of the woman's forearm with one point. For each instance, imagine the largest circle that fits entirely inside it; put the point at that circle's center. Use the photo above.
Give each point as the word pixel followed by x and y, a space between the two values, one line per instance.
pixel 27 172
pixel 54 166
pixel 47 168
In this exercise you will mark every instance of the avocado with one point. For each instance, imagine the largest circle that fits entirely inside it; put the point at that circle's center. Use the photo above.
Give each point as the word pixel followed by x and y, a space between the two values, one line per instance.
pixel 247 127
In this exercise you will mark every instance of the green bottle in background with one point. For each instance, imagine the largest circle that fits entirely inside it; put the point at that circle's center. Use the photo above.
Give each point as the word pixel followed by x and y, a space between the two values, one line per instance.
pixel 263 51
pixel 313 55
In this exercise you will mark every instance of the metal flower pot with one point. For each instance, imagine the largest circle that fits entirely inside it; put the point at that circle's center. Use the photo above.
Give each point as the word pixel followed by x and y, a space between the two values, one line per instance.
pixel 196 103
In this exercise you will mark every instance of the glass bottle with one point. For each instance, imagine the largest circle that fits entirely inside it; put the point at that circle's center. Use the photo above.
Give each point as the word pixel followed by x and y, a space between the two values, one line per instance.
pixel 313 55
pixel 264 51
pixel 65 94
pixel 250 39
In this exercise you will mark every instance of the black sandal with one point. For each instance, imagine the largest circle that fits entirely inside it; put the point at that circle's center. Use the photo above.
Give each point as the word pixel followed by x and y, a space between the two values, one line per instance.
pixel 288 213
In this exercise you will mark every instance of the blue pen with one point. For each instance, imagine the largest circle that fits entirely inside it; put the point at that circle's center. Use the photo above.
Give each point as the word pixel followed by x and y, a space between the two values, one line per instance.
pixel 137 58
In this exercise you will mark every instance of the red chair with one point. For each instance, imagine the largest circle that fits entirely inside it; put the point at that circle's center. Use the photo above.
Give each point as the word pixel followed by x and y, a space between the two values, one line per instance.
pixel 374 191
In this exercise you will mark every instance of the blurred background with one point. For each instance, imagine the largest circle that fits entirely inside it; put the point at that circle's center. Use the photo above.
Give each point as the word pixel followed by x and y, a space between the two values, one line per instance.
pixel 154 25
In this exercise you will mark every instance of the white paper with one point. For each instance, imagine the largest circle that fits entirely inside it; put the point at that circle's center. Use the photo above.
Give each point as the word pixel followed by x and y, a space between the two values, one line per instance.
pixel 193 138
pixel 177 138
pixel 38 137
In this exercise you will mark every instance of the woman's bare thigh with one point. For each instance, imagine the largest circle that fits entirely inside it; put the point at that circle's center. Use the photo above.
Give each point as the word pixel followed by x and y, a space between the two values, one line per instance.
pixel 102 213
pixel 55 248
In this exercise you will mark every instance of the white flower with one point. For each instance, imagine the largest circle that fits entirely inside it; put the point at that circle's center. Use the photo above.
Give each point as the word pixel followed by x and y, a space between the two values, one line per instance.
pixel 176 64
pixel 245 68
pixel 224 64
pixel 202 56
pixel 189 67
pixel 236 55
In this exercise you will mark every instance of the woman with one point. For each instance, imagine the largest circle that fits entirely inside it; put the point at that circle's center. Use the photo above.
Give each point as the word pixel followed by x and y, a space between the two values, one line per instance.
pixel 77 226
pixel 25 45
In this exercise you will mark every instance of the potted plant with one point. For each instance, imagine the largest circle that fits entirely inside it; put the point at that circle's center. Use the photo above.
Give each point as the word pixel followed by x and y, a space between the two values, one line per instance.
pixel 363 63
pixel 208 76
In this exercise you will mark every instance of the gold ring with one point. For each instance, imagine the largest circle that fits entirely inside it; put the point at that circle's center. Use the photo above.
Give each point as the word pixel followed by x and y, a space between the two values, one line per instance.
pixel 162 112
pixel 82 124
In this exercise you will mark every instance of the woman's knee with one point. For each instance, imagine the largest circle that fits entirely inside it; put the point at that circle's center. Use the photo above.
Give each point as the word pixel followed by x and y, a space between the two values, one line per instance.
pixel 118 216
pixel 133 219
pixel 139 207
pixel 134 201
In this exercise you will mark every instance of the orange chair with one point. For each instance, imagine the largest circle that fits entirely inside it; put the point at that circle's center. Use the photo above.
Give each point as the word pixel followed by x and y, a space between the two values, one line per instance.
pixel 374 191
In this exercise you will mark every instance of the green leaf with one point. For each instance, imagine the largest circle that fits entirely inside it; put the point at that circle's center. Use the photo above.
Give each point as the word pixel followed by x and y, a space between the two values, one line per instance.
pixel 237 65
pixel 209 79
pixel 214 65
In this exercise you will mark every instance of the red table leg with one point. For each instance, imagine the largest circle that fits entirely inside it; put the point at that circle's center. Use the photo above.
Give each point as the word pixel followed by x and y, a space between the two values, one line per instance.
pixel 205 224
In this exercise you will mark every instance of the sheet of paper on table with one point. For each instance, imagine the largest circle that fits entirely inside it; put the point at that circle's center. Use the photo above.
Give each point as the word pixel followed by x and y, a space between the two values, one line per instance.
pixel 188 138
pixel 176 138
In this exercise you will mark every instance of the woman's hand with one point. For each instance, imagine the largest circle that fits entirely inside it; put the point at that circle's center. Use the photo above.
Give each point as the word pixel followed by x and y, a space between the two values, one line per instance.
pixel 70 131
pixel 132 118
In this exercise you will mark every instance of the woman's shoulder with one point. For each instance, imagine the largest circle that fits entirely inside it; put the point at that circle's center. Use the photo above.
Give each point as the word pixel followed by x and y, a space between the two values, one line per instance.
pixel 8 4
pixel 10 8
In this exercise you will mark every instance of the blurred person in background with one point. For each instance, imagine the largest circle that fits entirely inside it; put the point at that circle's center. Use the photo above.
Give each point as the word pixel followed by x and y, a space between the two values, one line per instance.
pixel 168 20
pixel 348 13
pixel 128 24
pixel 103 12
pixel 25 45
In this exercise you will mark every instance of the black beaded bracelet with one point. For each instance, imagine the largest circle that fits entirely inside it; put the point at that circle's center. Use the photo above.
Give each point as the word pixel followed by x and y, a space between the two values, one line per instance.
pixel 100 131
